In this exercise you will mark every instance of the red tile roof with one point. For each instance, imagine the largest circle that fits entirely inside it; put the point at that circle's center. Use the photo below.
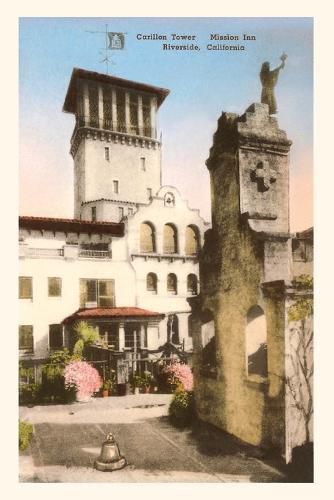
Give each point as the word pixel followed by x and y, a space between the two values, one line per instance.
pixel 113 312
pixel 71 225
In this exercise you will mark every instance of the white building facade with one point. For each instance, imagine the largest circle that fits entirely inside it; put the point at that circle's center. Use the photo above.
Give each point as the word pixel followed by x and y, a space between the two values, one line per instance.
pixel 127 262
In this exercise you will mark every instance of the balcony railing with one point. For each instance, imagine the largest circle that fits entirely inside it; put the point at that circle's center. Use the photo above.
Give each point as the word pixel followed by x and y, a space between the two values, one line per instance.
pixel 94 254
pixel 119 126
pixel 45 252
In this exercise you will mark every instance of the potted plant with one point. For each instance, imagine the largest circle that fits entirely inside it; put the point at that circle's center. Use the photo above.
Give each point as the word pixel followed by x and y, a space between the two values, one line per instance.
pixel 107 387
pixel 137 383
pixel 147 380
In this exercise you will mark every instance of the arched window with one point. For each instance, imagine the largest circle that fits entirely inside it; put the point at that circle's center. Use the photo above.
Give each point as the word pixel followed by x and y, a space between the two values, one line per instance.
pixel 173 329
pixel 170 239
pixel 256 342
pixel 172 284
pixel 147 237
pixel 192 284
pixel 151 282
pixel 192 240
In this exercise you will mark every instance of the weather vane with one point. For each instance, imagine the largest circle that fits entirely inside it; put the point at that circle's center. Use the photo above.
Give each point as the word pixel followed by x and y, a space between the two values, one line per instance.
pixel 113 41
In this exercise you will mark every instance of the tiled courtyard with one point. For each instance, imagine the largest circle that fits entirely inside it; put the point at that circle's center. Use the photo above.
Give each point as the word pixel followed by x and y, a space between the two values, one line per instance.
pixel 68 438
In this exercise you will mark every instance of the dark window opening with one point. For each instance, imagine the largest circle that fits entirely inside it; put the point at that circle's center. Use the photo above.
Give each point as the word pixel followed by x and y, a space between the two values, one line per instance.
pixel 55 336
pixel 172 283
pixel 97 293
pixel 151 282
pixel 54 287
pixel 25 287
pixel 26 339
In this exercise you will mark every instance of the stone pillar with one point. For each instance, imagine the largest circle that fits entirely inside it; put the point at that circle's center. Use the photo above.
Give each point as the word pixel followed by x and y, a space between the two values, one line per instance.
pixel 100 105
pixel 181 242
pixel 121 336
pixel 127 112
pixel 114 109
pixel 154 106
pixel 142 336
pixel 85 94
pixel 140 115
pixel 71 251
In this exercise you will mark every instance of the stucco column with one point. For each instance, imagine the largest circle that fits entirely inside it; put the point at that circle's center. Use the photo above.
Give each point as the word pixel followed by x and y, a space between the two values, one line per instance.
pixel 154 105
pixel 159 241
pixel 100 105
pixel 114 109
pixel 142 336
pixel 85 94
pixel 140 115
pixel 127 112
pixel 121 336
pixel 182 243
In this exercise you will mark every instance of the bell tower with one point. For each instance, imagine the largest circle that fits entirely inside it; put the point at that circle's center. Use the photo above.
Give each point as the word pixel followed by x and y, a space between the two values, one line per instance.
pixel 114 144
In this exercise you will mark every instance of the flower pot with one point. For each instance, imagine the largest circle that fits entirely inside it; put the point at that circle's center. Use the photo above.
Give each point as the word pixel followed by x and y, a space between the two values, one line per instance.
pixel 83 398
pixel 105 393
pixel 147 389
pixel 136 390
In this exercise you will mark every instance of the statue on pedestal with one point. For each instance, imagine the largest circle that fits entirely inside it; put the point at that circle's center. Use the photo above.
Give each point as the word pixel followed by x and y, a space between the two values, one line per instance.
pixel 269 79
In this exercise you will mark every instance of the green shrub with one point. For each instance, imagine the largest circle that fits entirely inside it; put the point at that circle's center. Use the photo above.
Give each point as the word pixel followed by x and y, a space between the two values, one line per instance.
pixel 29 394
pixel 25 434
pixel 182 408
pixel 53 384
pixel 86 335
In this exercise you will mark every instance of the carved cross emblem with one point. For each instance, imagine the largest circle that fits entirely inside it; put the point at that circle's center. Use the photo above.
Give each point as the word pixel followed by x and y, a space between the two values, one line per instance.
pixel 263 175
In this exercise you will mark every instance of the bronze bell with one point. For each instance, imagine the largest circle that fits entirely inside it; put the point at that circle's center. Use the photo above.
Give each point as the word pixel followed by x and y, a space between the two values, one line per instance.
pixel 110 457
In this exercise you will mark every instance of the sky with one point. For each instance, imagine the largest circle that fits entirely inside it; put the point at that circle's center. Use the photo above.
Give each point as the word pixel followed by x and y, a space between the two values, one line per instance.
pixel 202 85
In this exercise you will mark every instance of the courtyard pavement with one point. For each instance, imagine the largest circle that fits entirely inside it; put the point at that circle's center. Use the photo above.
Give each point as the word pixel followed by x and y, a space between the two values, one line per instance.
pixel 67 440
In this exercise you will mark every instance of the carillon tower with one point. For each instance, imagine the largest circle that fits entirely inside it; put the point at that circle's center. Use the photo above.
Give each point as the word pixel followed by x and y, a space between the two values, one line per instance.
pixel 114 144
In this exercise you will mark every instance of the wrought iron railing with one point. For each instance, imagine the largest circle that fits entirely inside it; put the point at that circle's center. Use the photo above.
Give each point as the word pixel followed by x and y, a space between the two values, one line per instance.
pixel 96 254
pixel 113 126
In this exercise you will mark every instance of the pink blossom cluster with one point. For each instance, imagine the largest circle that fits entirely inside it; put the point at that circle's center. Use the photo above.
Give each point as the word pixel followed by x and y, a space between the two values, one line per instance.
pixel 178 373
pixel 83 377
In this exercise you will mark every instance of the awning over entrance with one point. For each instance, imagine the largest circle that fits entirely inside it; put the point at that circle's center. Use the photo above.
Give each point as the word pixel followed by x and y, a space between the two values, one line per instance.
pixel 116 313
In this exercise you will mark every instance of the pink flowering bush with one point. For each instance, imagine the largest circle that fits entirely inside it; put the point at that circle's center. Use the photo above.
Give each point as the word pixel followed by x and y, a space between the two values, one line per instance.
pixel 178 376
pixel 83 377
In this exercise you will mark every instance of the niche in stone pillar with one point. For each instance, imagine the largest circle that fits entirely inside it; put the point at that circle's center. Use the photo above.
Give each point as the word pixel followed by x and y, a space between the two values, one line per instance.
pixel 256 342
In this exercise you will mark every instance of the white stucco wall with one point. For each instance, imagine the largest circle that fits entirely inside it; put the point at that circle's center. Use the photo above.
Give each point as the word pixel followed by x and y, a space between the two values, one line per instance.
pixel 94 175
